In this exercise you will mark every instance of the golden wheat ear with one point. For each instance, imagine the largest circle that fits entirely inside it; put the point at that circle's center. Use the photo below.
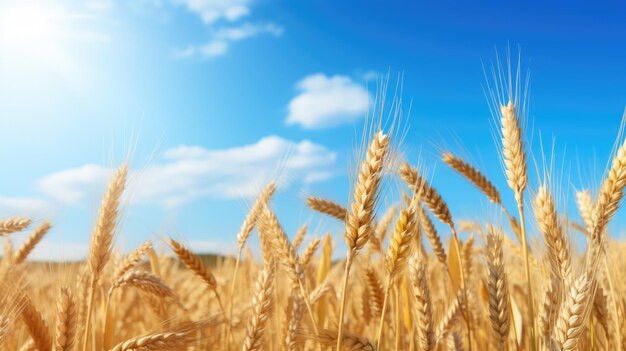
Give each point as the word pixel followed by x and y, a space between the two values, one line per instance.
pixel 361 214
pixel 570 323
pixel 554 236
pixel 425 318
pixel 102 240
pixel 36 325
pixel 132 260
pixel 66 321
pixel 327 207
pixel 30 243
pixel 497 287
pixel 14 225
pixel 261 305
pixel 472 174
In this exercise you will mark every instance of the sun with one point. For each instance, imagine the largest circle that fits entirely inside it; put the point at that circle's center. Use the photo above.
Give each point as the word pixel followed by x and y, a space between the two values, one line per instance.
pixel 29 29
pixel 36 39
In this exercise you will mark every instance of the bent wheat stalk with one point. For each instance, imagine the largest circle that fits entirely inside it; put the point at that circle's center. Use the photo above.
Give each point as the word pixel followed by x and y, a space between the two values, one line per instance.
pixel 244 233
pixel 359 218
pixel 102 239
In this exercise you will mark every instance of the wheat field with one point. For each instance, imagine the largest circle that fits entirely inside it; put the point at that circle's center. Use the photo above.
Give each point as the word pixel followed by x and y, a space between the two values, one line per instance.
pixel 401 284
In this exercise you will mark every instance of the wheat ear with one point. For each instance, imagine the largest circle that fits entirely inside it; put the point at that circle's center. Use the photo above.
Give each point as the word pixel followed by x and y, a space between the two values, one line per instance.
pixel 323 268
pixel 448 320
pixel 247 226
pixel 573 314
pixel 549 309
pixel 300 235
pixel 102 239
pixel 36 325
pixel 194 264
pixel 31 242
pixel 474 176
pixel 309 251
pixel 144 281
pixel 584 202
pixel 425 321
pixel 439 208
pixel 381 229
pixel 132 260
pixel 607 203
pixel 327 207
pixel 329 337
pixel 609 197
pixel 482 183
pixel 261 304
pixel 550 226
pixel 497 287
pixel 516 170
pixel 159 341
pixel 66 321
pixel 13 225
pixel 376 292
pixel 286 255
pixel 359 218
pixel 433 236
pixel 398 253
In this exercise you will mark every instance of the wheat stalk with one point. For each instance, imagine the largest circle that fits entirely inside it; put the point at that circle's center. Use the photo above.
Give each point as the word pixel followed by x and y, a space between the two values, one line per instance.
pixel 359 218
pixel 244 233
pixel 102 239
pixel 516 171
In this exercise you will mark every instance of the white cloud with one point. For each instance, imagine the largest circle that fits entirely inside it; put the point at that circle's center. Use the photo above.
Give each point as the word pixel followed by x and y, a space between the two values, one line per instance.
pixel 248 30
pixel 224 37
pixel 23 206
pixel 212 10
pixel 191 172
pixel 72 186
pixel 186 173
pixel 327 101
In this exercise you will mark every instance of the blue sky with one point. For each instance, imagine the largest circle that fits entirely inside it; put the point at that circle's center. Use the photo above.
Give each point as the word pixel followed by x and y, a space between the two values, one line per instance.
pixel 213 98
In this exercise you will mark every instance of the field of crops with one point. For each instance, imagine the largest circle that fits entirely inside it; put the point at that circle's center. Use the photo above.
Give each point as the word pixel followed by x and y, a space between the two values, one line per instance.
pixel 400 285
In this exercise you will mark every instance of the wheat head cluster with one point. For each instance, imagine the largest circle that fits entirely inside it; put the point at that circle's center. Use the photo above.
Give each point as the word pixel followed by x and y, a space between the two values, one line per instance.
pixel 513 284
